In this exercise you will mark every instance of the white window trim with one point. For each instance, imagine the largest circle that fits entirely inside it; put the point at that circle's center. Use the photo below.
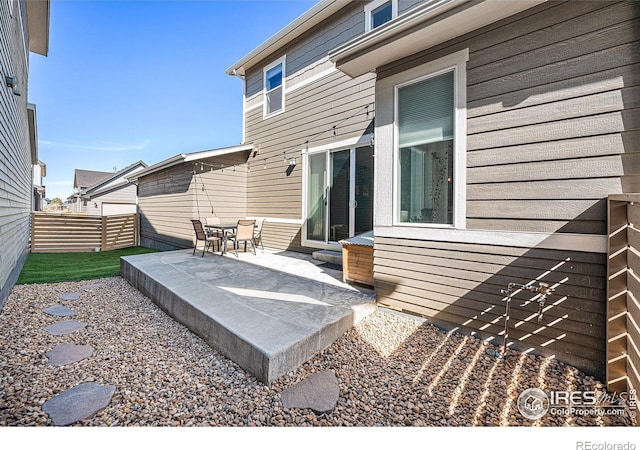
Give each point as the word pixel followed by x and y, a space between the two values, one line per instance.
pixel 369 8
pixel 347 144
pixel 385 178
pixel 282 61
pixel 244 110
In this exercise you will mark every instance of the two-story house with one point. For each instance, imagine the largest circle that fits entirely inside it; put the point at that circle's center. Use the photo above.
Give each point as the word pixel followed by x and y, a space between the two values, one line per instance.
pixel 479 140
pixel 24 27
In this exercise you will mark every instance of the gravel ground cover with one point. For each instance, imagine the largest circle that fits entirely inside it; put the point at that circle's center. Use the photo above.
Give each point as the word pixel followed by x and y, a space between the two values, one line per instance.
pixel 392 371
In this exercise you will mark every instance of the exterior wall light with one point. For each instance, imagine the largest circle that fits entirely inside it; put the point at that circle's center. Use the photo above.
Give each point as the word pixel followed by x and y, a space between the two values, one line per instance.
pixel 12 82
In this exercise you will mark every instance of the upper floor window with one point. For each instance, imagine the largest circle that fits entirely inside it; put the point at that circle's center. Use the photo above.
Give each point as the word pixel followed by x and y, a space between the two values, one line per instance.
pixel 379 12
pixel 274 87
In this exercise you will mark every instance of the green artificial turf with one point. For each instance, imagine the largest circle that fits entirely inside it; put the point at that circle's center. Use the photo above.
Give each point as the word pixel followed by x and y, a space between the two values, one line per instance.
pixel 56 267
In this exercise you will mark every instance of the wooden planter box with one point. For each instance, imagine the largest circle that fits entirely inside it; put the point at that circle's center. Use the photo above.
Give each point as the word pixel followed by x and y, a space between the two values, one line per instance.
pixel 357 263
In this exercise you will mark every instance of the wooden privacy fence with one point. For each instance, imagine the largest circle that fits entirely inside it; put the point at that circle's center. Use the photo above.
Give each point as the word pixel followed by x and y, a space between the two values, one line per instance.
pixel 623 293
pixel 55 233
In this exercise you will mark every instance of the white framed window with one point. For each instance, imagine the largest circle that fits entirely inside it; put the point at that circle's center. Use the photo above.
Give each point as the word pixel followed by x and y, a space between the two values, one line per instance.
pixel 425 150
pixel 273 88
pixel 429 149
pixel 420 144
pixel 379 12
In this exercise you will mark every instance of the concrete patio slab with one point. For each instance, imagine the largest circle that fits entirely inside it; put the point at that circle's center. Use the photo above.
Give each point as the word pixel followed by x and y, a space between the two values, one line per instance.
pixel 269 312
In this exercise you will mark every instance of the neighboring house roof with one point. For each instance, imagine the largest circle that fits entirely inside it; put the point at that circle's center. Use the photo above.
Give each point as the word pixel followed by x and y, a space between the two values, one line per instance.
pixel 84 179
pixel 319 12
pixel 187 157
pixel 102 186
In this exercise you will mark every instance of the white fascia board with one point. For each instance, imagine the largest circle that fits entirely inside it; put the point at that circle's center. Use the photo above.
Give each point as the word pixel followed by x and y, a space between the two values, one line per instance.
pixel 425 26
pixel 110 188
pixel 169 162
pixel 117 178
pixel 38 19
pixel 197 156
pixel 32 119
pixel 303 23
pixel 188 157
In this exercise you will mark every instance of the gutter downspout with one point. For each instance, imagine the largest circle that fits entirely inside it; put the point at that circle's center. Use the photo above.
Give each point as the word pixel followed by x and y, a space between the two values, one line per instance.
pixel 244 101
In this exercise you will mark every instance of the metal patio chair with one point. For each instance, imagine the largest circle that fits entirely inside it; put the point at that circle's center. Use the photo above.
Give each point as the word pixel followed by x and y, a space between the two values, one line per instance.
pixel 244 233
pixel 257 233
pixel 201 235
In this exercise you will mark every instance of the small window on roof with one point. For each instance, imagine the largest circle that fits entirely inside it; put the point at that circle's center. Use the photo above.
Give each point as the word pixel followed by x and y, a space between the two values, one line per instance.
pixel 274 88
pixel 379 12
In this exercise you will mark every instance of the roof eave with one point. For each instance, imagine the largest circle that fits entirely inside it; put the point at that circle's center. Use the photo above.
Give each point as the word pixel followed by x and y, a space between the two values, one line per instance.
pixel 122 172
pixel 188 157
pixel 38 19
pixel 303 23
pixel 177 159
pixel 33 132
pixel 427 25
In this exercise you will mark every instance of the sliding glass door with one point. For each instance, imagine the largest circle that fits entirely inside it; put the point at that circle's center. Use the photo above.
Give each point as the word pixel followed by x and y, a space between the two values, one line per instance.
pixel 339 194
pixel 316 197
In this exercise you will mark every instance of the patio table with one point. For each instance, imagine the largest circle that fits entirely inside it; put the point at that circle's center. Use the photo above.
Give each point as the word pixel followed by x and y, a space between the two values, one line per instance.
pixel 223 227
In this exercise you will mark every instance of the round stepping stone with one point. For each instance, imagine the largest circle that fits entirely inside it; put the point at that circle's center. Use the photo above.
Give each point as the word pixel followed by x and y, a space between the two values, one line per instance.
pixel 69 296
pixel 92 286
pixel 64 354
pixel 78 403
pixel 318 392
pixel 59 310
pixel 68 327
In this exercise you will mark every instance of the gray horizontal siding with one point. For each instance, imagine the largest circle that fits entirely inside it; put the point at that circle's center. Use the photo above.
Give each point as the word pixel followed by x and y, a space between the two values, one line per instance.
pixel 406 5
pixel 125 194
pixel 313 46
pixel 310 110
pixel 168 199
pixel 283 236
pixel 15 154
pixel 553 127
pixel 458 285
pixel 553 115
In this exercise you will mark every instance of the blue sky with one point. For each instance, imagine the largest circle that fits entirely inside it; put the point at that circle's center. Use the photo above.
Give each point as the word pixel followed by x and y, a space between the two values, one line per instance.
pixel 143 80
